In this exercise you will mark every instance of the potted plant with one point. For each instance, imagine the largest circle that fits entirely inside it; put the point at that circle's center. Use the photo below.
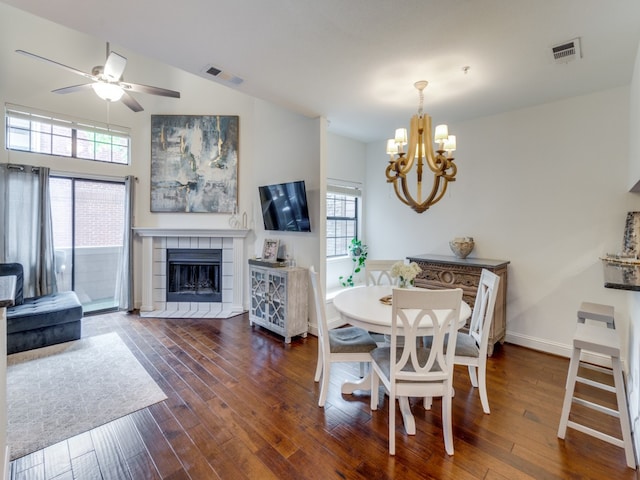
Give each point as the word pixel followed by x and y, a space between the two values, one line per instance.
pixel 358 253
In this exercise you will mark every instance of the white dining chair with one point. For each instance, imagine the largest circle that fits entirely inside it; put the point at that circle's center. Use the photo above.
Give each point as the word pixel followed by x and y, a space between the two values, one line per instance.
pixel 344 344
pixel 471 348
pixel 407 369
pixel 378 272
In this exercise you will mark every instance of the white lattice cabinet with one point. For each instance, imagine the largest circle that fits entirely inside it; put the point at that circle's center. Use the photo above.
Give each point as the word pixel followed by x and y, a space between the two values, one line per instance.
pixel 279 299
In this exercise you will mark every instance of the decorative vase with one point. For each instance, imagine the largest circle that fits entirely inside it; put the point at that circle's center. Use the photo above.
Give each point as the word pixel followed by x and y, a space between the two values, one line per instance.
pixel 462 246
pixel 403 283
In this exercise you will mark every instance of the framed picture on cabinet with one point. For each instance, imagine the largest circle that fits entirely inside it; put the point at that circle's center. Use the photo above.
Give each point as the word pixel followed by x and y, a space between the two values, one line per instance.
pixel 270 250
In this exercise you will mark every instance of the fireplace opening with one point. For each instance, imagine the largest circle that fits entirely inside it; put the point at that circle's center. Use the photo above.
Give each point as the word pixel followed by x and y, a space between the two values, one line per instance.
pixel 194 275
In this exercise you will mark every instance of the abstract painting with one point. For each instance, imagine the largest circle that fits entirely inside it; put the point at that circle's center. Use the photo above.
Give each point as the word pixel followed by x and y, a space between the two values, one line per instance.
pixel 194 163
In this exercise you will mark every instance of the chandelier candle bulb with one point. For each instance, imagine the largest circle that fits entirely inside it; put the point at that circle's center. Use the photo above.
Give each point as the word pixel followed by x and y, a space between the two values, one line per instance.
pixel 392 147
pixel 450 144
pixel 442 133
pixel 401 137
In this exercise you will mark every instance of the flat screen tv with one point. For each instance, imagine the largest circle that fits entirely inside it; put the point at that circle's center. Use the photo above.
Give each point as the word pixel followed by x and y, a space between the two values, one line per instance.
pixel 284 207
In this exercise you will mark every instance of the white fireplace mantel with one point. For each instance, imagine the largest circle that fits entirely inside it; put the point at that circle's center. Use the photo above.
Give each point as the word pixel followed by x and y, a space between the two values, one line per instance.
pixel 190 232
pixel 152 237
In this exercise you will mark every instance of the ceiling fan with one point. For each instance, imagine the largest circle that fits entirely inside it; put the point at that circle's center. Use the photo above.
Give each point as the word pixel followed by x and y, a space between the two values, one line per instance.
pixel 107 81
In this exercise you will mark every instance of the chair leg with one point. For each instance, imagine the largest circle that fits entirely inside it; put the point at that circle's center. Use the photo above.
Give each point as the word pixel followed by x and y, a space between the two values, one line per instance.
pixel 375 381
pixel 482 387
pixel 624 414
pixel 427 402
pixel 326 368
pixel 568 394
pixel 473 376
pixel 319 363
pixel 447 428
pixel 392 424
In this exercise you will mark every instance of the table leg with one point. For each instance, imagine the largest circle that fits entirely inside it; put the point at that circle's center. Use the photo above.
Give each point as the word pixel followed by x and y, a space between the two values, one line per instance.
pixel 407 416
pixel 350 386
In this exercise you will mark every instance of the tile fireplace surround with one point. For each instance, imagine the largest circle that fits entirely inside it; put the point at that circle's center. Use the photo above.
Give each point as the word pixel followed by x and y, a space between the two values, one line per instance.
pixel 155 242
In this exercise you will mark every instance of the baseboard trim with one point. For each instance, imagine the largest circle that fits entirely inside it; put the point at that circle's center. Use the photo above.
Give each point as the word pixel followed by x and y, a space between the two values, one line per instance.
pixel 555 348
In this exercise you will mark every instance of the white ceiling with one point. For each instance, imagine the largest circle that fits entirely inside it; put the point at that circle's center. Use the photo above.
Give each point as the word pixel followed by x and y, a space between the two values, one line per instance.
pixel 355 61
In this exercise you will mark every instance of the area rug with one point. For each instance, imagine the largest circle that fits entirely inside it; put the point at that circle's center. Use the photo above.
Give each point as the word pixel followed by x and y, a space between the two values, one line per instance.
pixel 56 392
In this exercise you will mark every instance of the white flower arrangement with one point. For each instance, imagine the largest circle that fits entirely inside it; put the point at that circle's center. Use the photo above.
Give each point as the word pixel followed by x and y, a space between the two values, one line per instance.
pixel 406 272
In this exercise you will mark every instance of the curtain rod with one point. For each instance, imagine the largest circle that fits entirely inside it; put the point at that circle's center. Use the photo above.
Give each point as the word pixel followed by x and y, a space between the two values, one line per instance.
pixel 22 168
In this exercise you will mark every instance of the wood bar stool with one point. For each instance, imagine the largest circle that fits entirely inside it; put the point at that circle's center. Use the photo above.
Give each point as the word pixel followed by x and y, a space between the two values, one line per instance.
pixel 604 341
pixel 596 311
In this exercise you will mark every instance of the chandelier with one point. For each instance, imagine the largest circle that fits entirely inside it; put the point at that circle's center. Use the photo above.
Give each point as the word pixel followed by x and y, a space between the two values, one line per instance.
pixel 420 152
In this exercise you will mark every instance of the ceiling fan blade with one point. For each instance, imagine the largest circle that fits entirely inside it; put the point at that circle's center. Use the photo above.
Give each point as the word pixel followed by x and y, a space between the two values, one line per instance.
pixel 131 102
pixel 136 87
pixel 66 67
pixel 114 67
pixel 73 88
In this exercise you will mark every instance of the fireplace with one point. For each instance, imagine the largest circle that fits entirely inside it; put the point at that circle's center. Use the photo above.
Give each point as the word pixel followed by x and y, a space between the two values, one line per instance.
pixel 194 275
pixel 156 241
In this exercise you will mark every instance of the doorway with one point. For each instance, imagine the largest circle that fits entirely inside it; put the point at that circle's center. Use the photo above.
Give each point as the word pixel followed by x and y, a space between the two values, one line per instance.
pixel 88 236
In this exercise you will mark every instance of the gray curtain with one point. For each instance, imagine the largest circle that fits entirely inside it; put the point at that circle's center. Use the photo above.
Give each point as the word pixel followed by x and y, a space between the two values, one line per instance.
pixel 27 226
pixel 124 284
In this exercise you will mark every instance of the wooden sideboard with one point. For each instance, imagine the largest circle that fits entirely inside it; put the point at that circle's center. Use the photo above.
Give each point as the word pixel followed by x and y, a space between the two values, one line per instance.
pixel 443 271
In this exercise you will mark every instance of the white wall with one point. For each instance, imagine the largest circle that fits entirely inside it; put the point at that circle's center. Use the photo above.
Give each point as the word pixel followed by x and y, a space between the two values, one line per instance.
pixel 346 161
pixel 286 147
pixel 275 145
pixel 543 187
pixel 633 343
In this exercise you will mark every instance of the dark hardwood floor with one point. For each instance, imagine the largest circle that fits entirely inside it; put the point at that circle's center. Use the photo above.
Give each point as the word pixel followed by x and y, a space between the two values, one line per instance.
pixel 243 405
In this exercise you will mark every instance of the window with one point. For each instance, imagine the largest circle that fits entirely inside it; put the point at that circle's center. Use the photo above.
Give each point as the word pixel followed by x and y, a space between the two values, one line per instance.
pixel 342 219
pixel 29 130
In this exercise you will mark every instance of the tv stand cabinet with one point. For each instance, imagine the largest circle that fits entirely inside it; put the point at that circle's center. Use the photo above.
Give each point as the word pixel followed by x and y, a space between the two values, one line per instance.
pixel 443 271
pixel 279 299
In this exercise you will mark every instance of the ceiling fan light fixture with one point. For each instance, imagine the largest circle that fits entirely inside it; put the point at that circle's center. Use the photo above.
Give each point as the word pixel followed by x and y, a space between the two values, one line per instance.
pixel 108 91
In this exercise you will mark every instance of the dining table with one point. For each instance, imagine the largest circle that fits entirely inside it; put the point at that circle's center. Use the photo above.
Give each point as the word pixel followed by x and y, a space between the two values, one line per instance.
pixel 369 307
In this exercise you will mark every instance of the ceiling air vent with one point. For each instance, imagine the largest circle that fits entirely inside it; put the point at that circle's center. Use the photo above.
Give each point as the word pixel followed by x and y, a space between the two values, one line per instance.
pixel 566 51
pixel 223 76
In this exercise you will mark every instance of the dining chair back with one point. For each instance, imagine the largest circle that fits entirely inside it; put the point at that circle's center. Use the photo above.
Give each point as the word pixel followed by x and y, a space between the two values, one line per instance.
pixel 471 348
pixel 378 272
pixel 344 344
pixel 408 369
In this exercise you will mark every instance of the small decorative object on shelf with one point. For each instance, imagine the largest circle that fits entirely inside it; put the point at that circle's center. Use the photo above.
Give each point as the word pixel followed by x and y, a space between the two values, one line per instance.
pixel 462 246
pixel 405 273
pixel 270 250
